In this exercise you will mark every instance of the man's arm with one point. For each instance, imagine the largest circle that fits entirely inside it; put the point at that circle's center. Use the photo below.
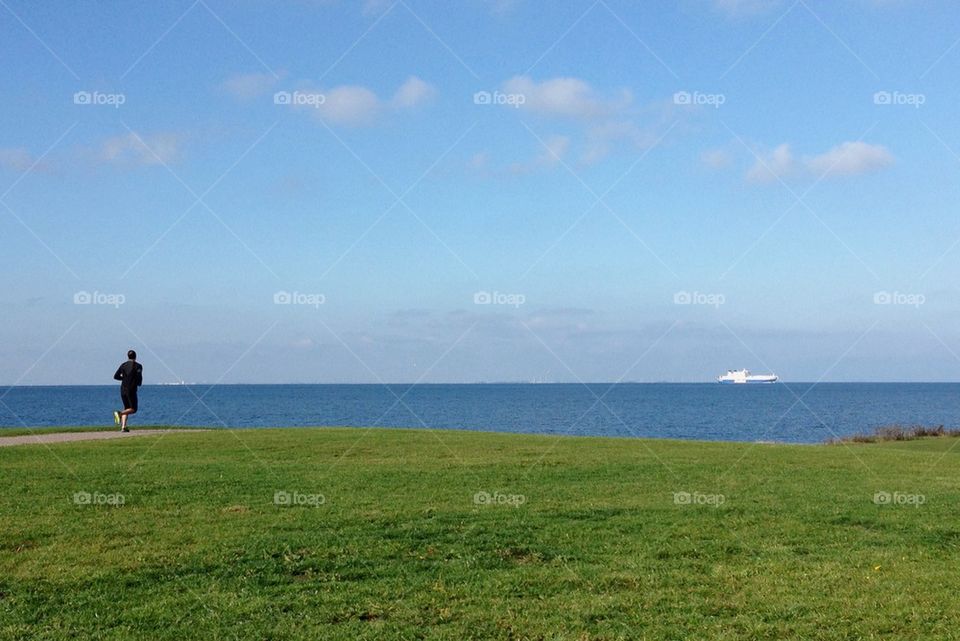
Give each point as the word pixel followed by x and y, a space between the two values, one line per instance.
pixel 139 376
pixel 119 375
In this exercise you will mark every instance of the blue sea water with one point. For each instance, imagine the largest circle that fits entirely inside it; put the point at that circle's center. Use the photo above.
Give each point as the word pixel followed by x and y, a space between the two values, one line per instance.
pixel 787 412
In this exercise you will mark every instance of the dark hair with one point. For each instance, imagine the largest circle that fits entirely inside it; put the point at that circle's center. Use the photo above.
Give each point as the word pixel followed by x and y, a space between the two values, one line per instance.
pixel 132 355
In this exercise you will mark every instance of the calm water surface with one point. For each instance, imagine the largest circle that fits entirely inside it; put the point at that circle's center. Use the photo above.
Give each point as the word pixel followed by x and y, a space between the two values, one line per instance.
pixel 689 411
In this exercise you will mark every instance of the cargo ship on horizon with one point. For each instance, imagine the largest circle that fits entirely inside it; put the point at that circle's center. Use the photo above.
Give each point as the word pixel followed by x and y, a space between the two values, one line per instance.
pixel 738 376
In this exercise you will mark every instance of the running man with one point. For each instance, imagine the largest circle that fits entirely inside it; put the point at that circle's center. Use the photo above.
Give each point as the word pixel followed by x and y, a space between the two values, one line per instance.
pixel 130 375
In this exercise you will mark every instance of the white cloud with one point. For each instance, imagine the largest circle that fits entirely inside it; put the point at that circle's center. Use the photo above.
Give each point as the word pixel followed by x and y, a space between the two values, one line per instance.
pixel 602 122
pixel 359 106
pixel 125 150
pixel 851 159
pixel 412 93
pixel 608 120
pixel 136 149
pixel 773 165
pixel 603 138
pixel 247 86
pixel 845 159
pixel 16 158
pixel 351 105
pixel 715 158
pixel 565 97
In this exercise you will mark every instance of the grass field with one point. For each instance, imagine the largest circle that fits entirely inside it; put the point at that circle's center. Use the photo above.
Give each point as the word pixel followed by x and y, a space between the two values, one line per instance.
pixel 404 534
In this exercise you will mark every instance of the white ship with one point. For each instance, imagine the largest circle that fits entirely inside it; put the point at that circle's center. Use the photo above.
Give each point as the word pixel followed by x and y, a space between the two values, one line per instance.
pixel 744 376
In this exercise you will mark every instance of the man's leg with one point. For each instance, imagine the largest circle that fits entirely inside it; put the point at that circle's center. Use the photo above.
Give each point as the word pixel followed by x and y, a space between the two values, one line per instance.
pixel 123 417
pixel 129 407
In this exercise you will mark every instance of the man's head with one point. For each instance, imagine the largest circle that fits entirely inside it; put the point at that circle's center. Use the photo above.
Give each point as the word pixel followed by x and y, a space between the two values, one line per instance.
pixel 132 355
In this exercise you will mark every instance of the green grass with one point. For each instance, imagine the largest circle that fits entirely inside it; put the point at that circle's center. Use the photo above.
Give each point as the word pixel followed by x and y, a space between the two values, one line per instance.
pixel 796 549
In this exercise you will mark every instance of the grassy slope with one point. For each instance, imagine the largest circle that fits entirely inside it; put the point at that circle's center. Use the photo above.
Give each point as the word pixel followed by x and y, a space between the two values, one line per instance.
pixel 400 550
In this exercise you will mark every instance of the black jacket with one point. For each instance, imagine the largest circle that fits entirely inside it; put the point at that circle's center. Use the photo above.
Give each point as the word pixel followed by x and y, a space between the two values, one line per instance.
pixel 130 375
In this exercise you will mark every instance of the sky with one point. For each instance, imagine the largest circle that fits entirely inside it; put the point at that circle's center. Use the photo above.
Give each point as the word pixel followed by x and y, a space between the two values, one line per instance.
pixel 341 191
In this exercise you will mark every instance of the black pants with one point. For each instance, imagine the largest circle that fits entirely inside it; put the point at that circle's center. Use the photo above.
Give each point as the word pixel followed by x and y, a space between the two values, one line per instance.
pixel 129 398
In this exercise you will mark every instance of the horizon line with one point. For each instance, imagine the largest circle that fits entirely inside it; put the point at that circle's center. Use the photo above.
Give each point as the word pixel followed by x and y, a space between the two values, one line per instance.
pixel 531 383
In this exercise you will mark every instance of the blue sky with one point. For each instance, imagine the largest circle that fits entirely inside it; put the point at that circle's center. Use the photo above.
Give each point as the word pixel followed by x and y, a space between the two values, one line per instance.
pixel 485 190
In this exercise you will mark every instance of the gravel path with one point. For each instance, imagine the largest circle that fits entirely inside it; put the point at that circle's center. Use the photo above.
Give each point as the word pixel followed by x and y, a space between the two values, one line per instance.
pixel 66 437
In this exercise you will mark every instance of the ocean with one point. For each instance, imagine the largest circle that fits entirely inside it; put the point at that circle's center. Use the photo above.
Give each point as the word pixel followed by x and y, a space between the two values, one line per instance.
pixel 783 412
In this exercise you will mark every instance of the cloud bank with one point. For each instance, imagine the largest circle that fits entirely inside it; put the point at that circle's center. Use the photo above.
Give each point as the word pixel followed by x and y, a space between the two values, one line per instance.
pixel 604 122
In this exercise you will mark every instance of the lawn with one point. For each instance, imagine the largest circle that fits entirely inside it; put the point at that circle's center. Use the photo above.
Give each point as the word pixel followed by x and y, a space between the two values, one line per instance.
pixel 412 534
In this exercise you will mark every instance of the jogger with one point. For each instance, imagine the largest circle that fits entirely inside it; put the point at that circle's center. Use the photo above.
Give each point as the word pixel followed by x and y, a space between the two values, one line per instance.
pixel 130 375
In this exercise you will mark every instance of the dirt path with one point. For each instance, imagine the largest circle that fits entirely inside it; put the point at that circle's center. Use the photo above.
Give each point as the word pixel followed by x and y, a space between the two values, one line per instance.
pixel 66 437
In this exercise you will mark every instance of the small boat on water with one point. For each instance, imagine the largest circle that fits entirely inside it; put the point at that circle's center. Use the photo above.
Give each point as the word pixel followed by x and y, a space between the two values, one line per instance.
pixel 744 376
